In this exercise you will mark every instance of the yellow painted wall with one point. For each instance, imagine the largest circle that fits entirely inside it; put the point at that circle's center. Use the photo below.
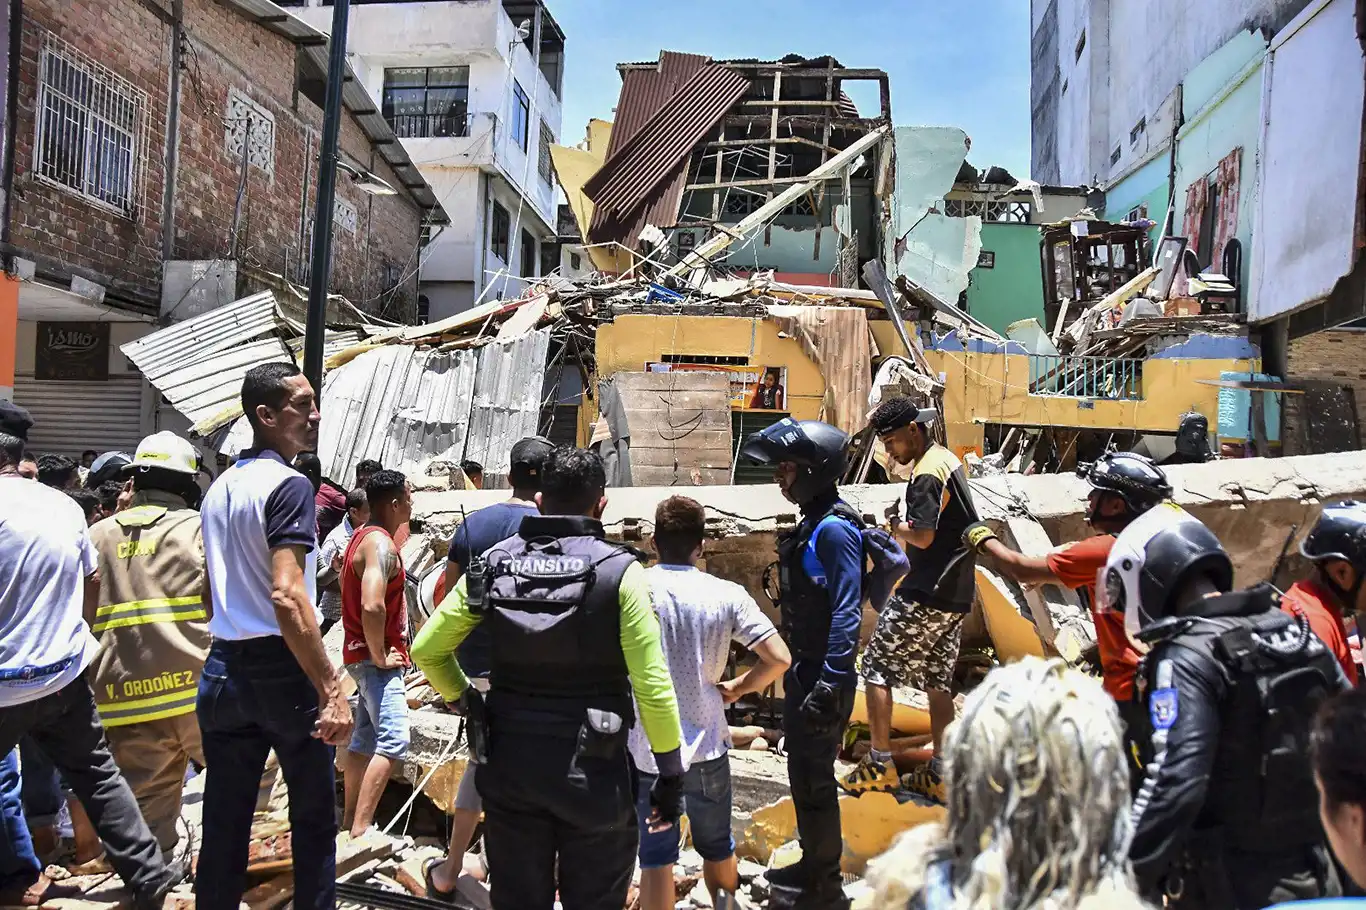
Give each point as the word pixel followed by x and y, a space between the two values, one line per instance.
pixel 630 342
pixel 994 388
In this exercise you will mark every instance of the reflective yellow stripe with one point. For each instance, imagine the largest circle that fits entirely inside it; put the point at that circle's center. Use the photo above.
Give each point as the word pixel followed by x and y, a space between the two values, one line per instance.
pixel 158 707
pixel 138 612
pixel 150 604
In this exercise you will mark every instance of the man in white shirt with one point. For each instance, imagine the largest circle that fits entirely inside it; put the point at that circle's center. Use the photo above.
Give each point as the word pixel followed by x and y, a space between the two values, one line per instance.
pixel 268 683
pixel 699 616
pixel 47 572
pixel 330 556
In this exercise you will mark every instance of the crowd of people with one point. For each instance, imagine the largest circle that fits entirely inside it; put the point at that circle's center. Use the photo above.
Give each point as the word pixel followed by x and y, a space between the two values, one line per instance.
pixel 153 624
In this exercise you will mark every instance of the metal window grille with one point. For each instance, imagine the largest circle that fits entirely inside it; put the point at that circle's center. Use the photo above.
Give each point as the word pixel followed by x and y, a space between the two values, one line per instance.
pixel 91 129
pixel 544 164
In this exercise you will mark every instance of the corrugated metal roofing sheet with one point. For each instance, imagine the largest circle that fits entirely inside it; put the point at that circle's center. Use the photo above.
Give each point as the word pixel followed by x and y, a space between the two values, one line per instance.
pixel 507 399
pixel 644 94
pixel 193 340
pixel 403 405
pixel 400 405
pixel 669 137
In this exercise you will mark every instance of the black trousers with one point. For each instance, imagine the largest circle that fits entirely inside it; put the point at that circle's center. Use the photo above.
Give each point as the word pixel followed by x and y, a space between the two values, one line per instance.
pixel 544 810
pixel 66 726
pixel 811 775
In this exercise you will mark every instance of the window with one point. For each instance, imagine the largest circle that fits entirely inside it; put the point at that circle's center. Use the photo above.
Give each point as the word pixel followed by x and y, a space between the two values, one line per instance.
pixel 543 157
pixel 1081 44
pixel 1209 222
pixel 1116 154
pixel 243 114
pixel 521 116
pixel 424 309
pixel 528 255
pixel 550 257
pixel 499 232
pixel 575 261
pixel 1139 129
pixel 92 129
pixel 423 102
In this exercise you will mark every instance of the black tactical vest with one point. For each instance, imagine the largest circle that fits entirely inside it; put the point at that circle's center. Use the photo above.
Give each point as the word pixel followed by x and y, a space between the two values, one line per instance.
pixel 554 617
pixel 1262 796
pixel 804 605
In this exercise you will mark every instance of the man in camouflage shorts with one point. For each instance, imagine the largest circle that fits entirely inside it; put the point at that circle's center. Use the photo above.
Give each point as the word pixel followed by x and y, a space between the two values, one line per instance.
pixel 915 643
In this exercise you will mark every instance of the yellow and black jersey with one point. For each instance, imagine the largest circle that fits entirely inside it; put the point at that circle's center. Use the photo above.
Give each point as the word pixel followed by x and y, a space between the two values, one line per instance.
pixel 938 499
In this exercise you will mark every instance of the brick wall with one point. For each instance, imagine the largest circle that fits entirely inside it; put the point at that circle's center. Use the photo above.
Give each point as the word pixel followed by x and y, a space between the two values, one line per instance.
pixel 1333 356
pixel 226 54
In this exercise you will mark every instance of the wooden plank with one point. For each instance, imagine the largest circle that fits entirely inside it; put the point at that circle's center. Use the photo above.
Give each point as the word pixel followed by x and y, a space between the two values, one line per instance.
pixel 652 476
pixel 667 458
pixel 656 438
pixel 1048 603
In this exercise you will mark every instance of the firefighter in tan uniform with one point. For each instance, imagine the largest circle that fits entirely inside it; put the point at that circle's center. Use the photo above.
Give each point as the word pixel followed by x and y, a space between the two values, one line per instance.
pixel 152 626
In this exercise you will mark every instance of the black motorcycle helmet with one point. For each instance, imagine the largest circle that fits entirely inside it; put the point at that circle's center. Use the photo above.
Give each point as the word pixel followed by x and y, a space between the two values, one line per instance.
pixel 1340 533
pixel 818 449
pixel 1153 558
pixel 1132 477
pixel 107 467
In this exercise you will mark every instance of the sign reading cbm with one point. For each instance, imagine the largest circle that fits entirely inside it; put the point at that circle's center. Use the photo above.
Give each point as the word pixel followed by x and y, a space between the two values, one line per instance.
pixel 72 351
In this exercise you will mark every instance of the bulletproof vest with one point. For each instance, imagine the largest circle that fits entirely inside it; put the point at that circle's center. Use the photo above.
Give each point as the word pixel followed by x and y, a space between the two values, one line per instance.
pixel 151 622
pixel 1262 796
pixel 804 605
pixel 554 617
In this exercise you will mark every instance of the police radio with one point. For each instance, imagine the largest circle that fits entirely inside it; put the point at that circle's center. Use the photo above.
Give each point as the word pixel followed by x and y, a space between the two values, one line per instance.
pixel 476 577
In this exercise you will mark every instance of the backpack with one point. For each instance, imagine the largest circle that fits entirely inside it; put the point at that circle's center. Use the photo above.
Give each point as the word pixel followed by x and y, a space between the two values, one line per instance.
pixel 884 562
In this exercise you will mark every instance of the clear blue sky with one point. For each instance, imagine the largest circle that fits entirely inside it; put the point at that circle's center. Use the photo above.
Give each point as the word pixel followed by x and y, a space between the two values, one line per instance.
pixel 958 63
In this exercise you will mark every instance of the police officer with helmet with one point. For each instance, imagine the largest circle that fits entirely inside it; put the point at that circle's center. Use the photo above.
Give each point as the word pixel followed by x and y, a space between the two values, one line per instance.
pixel 820 571
pixel 1227 813
pixel 573 636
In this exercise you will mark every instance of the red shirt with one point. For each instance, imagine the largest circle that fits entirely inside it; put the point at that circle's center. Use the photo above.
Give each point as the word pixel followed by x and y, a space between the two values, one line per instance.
pixel 1317 605
pixel 355 648
pixel 1077 565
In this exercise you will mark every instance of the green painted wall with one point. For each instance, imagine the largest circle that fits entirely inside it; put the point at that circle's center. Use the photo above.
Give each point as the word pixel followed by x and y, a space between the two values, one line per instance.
pixel 1013 289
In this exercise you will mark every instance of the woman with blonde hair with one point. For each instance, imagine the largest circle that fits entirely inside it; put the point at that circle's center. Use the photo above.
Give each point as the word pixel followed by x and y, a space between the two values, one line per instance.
pixel 1038 803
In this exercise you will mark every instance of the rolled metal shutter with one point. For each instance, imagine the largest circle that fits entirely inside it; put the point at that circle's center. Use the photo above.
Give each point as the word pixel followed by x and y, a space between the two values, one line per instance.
pixel 70 417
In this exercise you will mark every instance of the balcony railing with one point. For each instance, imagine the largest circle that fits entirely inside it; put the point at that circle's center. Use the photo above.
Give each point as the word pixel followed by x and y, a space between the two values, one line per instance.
pixel 1086 377
pixel 430 126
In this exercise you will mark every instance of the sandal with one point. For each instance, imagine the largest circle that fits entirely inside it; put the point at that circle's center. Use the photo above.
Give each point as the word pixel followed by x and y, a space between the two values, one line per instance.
pixel 434 893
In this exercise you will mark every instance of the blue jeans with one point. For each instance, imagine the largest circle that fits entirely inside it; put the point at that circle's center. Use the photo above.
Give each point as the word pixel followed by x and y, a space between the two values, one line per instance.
pixel 706 800
pixel 43 797
pixel 19 866
pixel 381 711
pixel 254 697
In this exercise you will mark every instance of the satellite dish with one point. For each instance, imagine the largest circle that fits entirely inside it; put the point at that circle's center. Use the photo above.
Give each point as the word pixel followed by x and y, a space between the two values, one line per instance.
pixel 524 30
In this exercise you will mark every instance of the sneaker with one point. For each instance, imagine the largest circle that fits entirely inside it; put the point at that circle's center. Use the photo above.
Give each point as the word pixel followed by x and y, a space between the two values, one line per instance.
pixel 793 877
pixel 870 777
pixel 927 784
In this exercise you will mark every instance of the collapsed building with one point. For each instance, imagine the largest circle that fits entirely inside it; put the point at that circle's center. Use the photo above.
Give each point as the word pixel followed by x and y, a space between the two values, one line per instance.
pixel 746 247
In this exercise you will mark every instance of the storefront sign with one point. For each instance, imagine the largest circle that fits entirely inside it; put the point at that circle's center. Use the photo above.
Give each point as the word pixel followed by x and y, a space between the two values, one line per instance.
pixel 72 351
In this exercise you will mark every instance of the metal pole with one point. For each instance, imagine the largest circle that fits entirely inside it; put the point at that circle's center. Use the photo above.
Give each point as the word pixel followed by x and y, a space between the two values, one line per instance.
pixel 172 131
pixel 327 191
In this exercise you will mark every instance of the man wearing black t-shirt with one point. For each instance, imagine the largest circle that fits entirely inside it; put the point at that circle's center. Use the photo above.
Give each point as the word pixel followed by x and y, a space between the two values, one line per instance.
pixel 481 532
pixel 915 643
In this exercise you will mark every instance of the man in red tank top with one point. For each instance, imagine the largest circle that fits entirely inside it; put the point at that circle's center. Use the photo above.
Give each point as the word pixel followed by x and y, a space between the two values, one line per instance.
pixel 375 620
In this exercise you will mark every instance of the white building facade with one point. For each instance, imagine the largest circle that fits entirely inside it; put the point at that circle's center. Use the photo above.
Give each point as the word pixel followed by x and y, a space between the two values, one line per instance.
pixel 477 104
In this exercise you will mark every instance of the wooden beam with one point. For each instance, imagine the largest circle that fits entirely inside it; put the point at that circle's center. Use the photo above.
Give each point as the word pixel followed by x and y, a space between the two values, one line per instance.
pixel 781 140
pixel 773 146
pixel 777 104
pixel 814 123
pixel 716 196
pixel 740 184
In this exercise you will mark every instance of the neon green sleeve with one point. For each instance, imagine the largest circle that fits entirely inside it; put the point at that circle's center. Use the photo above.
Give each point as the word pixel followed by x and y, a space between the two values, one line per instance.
pixel 433 650
pixel 649 671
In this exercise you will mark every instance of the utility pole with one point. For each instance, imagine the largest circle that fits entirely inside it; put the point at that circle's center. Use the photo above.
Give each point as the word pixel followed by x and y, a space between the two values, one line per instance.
pixel 327 191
